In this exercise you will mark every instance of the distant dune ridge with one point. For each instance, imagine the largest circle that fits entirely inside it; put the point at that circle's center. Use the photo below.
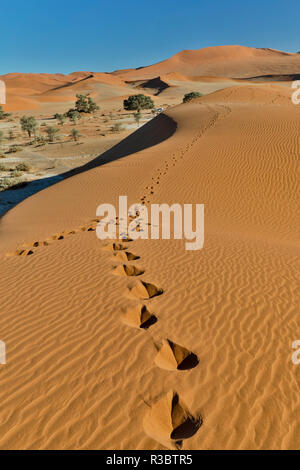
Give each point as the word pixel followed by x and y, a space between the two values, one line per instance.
pixel 30 91
pixel 224 61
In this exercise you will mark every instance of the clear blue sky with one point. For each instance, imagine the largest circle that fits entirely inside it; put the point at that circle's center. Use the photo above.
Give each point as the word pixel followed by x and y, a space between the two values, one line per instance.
pixel 96 35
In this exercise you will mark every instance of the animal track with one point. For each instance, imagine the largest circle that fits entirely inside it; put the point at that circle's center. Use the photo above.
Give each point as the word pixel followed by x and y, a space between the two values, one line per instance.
pixel 172 356
pixel 169 421
pixel 144 290
pixel 139 317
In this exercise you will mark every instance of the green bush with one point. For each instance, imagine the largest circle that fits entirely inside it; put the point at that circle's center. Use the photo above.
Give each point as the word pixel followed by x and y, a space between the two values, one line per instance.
pixel 85 104
pixel 61 118
pixel 117 127
pixel 137 117
pixel 138 102
pixel 28 124
pixel 16 173
pixel 73 115
pixel 14 149
pixel 75 135
pixel 11 183
pixel 23 167
pixel 3 114
pixel 192 95
pixel 52 133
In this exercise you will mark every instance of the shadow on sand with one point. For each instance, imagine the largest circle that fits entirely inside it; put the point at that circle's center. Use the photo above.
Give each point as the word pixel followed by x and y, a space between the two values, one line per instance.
pixel 152 133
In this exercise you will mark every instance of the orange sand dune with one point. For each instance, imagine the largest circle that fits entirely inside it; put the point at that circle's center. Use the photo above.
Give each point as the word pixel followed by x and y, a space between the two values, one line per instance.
pixel 193 353
pixel 185 70
pixel 26 91
pixel 224 61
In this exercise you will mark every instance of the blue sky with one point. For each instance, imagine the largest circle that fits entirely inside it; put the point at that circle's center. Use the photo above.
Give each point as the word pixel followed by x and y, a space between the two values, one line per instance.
pixel 69 35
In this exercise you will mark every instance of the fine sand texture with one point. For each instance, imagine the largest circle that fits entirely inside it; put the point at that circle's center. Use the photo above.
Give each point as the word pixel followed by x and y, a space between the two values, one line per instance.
pixel 141 344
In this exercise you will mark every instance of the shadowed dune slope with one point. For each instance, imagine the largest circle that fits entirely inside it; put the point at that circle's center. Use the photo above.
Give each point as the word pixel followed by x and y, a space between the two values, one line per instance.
pixel 80 372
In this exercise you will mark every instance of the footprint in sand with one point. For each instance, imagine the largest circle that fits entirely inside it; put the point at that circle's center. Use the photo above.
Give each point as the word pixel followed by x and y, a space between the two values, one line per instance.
pixel 169 421
pixel 128 270
pixel 23 252
pixel 144 290
pixel 115 246
pixel 125 256
pixel 139 316
pixel 172 356
pixel 125 238
pixel 37 244
pixel 58 237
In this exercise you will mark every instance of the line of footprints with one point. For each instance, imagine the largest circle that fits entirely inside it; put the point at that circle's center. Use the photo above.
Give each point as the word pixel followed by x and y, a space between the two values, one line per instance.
pixel 29 249
pixel 168 421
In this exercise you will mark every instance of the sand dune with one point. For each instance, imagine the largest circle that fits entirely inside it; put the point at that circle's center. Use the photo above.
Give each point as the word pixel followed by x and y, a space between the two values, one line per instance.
pixel 28 91
pixel 204 70
pixel 82 369
pixel 223 61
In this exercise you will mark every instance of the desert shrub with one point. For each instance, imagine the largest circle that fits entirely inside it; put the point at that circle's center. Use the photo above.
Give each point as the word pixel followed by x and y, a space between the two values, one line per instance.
pixel 85 104
pixel 11 183
pixel 28 124
pixel 61 118
pixel 3 114
pixel 3 167
pixel 117 127
pixel 138 102
pixel 137 117
pixel 190 96
pixel 52 133
pixel 73 115
pixel 16 173
pixel 14 149
pixel 23 167
pixel 75 135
